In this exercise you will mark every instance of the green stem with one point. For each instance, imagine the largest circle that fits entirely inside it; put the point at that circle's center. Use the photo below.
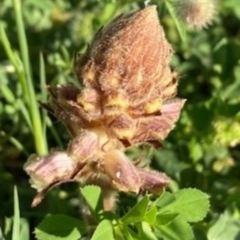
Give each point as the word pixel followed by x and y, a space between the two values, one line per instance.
pixel 38 134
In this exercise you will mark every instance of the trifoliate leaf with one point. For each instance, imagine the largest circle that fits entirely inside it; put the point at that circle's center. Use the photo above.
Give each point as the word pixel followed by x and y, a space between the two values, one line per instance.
pixel 191 204
pixel 60 227
pixel 178 229
pixel 137 213
pixel 104 231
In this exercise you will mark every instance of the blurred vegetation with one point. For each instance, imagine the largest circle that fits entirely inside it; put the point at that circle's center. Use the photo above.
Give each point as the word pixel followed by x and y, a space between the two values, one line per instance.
pixel 202 152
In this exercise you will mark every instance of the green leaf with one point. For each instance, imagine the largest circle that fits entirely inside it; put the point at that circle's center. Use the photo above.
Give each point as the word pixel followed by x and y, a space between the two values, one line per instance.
pixel 126 232
pixel 93 198
pixel 151 214
pixel 178 229
pixel 56 227
pixel 146 232
pixel 166 199
pixel 136 214
pixel 196 151
pixel 163 219
pixel 191 204
pixel 121 232
pixel 225 228
pixel 232 90
pixel 104 231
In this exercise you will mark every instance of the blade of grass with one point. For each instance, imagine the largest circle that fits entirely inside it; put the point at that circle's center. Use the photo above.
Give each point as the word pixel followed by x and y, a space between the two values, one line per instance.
pixel 44 98
pixel 24 234
pixel 13 59
pixel 16 219
pixel 40 144
pixel 42 78
pixel 17 64
pixel 180 28
pixel 25 113
pixel 7 94
pixel 10 98
pixel 14 141
pixel 46 120
pixel 54 133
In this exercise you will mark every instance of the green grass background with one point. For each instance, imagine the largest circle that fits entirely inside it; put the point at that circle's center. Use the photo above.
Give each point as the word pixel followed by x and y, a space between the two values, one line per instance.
pixel 37 43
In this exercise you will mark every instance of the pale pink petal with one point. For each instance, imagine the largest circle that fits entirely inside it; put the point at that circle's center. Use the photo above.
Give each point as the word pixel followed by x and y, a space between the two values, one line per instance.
pixel 45 170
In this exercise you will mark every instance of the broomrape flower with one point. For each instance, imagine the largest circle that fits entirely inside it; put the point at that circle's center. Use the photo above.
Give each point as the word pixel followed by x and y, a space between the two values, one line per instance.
pixel 127 98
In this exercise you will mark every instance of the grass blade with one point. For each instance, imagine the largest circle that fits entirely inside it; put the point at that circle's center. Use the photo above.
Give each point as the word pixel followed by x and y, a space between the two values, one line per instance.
pixel 40 143
pixel 44 98
pixel 14 60
pixel 16 219
pixel 180 28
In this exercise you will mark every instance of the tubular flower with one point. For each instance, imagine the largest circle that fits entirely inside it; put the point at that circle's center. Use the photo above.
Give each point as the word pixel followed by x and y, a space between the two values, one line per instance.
pixel 127 99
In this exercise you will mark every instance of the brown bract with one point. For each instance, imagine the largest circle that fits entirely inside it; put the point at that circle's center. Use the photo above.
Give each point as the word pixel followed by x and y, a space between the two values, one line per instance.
pixel 126 99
